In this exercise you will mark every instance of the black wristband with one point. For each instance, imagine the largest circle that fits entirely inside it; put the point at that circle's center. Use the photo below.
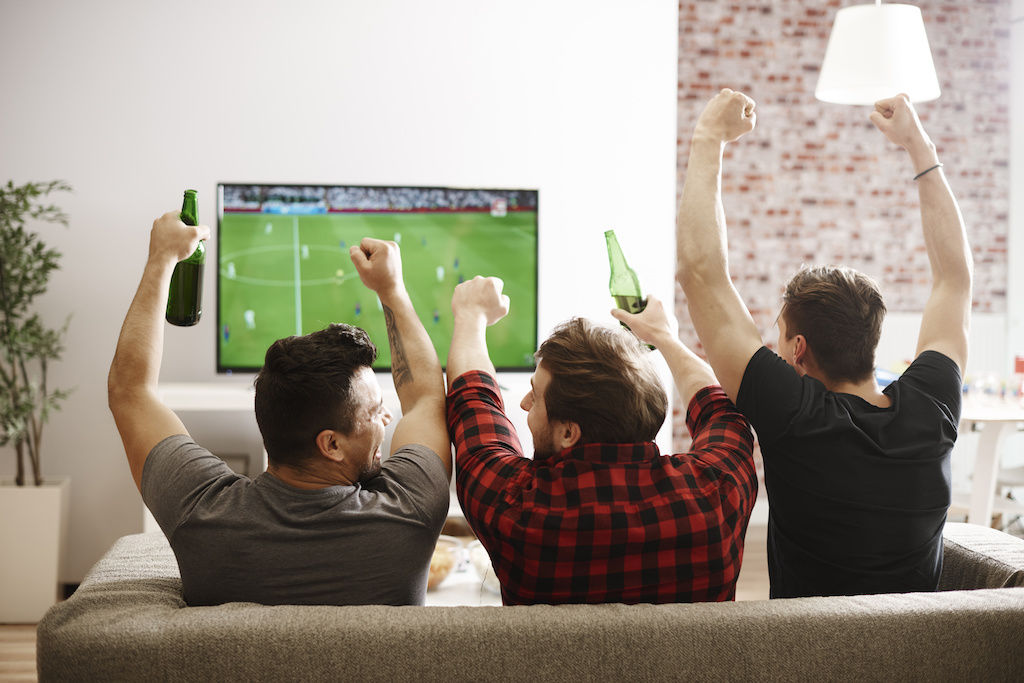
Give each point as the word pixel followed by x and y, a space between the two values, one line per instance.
pixel 928 169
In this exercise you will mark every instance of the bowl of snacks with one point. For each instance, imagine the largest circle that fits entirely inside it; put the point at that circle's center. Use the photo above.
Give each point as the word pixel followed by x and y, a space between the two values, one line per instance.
pixel 444 559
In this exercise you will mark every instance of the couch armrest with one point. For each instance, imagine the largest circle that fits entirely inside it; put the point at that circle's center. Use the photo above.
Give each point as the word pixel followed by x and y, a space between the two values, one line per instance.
pixel 976 556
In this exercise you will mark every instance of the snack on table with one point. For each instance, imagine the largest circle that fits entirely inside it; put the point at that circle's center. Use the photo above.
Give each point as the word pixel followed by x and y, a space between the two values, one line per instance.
pixel 443 560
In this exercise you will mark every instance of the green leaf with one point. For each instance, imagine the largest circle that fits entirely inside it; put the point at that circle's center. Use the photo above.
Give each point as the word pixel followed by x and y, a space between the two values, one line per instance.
pixel 26 344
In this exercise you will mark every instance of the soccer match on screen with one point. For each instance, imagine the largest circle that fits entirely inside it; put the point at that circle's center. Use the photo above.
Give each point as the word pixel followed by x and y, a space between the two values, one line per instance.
pixel 284 267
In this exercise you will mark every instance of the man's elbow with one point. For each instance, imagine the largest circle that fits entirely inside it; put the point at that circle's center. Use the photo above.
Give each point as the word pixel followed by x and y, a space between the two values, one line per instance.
pixel 697 277
pixel 121 393
pixel 115 390
pixel 956 280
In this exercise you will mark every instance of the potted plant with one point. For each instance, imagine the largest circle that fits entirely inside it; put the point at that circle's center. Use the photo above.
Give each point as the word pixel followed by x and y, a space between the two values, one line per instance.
pixel 33 511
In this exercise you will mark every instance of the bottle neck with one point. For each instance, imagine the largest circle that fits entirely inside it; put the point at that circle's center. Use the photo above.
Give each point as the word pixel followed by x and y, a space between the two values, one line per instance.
pixel 189 210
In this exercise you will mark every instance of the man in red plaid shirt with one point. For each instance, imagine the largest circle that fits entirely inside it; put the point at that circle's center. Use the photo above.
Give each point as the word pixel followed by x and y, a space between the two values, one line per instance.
pixel 598 514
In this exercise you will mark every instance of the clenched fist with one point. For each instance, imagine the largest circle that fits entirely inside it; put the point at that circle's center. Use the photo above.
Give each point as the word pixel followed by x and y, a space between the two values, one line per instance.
pixel 481 296
pixel 727 117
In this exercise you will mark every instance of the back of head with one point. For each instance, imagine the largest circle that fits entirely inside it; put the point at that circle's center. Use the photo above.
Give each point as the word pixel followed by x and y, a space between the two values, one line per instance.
pixel 839 311
pixel 602 379
pixel 304 388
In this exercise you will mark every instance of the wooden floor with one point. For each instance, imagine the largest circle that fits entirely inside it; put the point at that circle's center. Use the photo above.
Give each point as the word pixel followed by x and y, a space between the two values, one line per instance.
pixel 18 652
pixel 18 642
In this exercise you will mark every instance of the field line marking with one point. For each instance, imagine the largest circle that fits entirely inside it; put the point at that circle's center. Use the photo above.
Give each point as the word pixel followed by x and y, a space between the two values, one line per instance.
pixel 298 275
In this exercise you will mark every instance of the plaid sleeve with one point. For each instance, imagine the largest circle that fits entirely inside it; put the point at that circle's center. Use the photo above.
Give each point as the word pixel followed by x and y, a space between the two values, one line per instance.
pixel 489 461
pixel 721 437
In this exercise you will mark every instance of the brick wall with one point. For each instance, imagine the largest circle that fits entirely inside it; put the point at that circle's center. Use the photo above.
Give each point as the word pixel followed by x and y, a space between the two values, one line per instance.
pixel 816 182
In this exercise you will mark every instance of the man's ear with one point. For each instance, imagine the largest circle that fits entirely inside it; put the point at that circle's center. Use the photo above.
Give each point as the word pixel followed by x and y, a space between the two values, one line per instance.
pixel 803 357
pixel 328 444
pixel 567 434
pixel 800 352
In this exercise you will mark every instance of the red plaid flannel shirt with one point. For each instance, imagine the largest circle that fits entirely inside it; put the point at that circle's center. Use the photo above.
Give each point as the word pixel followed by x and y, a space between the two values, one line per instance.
pixel 605 522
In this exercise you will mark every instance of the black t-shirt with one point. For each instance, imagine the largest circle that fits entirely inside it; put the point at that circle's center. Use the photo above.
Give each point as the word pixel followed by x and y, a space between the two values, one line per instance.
pixel 858 494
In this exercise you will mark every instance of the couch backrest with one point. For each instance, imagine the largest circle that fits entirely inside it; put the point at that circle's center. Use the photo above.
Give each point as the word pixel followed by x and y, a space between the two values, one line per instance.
pixel 128 622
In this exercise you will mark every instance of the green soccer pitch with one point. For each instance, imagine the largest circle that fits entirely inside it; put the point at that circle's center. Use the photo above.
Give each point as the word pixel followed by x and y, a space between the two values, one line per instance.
pixel 281 275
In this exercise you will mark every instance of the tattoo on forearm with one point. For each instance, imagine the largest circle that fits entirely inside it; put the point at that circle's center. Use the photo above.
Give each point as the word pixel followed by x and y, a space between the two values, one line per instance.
pixel 400 370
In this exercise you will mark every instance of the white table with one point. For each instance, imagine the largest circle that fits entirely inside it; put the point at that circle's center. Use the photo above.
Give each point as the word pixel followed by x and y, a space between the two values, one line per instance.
pixel 463 587
pixel 995 420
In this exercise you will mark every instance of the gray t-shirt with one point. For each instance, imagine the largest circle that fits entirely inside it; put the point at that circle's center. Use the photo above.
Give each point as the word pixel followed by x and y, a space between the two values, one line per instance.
pixel 260 540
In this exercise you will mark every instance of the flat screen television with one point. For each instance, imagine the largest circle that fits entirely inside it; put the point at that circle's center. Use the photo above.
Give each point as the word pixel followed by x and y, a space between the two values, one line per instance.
pixel 284 268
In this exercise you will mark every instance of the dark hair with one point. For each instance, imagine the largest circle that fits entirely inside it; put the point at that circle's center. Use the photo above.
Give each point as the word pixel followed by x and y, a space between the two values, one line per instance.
pixel 304 388
pixel 602 380
pixel 839 311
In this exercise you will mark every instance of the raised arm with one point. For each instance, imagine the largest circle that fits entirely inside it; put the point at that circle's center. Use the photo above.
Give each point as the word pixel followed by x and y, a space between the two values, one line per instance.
pixel 654 326
pixel 476 304
pixel 947 314
pixel 142 420
pixel 414 365
pixel 719 316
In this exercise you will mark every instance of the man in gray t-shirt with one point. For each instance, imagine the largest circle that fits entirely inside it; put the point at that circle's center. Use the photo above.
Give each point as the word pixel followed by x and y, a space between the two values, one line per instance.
pixel 328 522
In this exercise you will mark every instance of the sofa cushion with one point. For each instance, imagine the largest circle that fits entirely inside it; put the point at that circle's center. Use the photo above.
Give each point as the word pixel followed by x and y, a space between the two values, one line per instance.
pixel 976 556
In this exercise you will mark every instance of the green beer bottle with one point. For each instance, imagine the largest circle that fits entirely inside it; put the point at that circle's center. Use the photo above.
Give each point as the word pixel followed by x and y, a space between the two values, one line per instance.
pixel 184 300
pixel 623 285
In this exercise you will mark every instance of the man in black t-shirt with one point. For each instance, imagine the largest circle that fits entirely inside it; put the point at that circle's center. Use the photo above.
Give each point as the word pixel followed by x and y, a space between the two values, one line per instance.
pixel 857 477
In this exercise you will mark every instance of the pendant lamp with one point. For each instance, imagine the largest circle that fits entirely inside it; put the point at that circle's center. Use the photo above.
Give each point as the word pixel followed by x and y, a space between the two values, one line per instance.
pixel 877 51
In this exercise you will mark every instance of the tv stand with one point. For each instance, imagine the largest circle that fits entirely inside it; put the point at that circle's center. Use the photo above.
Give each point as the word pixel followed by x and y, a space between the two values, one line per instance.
pixel 206 396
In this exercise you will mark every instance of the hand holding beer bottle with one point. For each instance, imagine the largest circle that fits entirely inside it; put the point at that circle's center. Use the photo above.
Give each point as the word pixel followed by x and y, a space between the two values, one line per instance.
pixel 184 300
pixel 623 285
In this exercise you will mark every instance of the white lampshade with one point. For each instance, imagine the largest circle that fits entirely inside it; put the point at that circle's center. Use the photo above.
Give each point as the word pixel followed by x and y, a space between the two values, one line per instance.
pixel 877 51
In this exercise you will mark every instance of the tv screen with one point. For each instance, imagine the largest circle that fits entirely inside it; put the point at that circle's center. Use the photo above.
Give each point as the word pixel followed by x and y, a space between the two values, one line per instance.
pixel 284 268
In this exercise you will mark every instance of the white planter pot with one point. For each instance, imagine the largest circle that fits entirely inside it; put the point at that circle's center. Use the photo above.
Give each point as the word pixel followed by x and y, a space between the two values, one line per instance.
pixel 33 534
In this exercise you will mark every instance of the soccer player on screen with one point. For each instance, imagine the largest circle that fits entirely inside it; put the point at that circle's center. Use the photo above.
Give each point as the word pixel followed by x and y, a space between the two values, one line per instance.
pixel 858 478
pixel 328 522
pixel 598 514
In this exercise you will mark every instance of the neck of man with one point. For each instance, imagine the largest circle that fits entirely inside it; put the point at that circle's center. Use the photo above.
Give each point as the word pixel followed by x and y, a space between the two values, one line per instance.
pixel 309 478
pixel 867 390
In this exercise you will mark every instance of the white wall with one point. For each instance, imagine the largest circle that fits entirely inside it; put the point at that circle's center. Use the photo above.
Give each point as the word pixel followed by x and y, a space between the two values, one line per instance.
pixel 133 101
pixel 987 344
pixel 1015 285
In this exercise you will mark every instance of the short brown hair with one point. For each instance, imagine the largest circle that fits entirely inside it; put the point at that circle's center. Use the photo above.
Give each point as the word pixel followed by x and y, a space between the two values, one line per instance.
pixel 304 387
pixel 839 311
pixel 602 380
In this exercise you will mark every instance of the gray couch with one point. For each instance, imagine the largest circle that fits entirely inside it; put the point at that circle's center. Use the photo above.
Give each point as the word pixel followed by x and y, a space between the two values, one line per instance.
pixel 127 621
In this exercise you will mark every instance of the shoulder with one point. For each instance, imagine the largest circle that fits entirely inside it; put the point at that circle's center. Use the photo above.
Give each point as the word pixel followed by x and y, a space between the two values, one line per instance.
pixel 768 375
pixel 416 462
pixel 475 384
pixel 931 361
pixel 712 403
pixel 175 452
pixel 774 396
pixel 935 375
pixel 932 372
pixel 178 475
pixel 474 399
pixel 764 361
pixel 415 475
